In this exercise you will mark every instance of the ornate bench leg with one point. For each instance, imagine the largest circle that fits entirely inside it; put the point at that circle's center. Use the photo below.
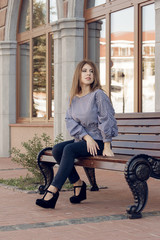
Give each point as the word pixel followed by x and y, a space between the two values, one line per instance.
pixel 90 172
pixel 137 171
pixel 46 169
pixel 48 173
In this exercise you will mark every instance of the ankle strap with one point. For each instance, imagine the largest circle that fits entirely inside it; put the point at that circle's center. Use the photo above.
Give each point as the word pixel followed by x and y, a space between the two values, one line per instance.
pixel 47 191
pixel 50 191
pixel 77 186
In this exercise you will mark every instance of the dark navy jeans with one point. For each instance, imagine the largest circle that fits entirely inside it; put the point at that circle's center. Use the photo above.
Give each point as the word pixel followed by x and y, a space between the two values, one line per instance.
pixel 65 154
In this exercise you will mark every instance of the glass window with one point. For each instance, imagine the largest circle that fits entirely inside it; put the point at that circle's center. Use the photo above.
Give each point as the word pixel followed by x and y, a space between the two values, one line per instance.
pixel 24 23
pixel 39 76
pixel 36 48
pixel 97 46
pixel 94 3
pixel 122 58
pixel 24 80
pixel 53 11
pixel 39 13
pixel 148 58
pixel 129 45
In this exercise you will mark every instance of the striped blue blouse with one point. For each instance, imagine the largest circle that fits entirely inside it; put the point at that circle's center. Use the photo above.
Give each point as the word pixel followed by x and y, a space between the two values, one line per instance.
pixel 92 114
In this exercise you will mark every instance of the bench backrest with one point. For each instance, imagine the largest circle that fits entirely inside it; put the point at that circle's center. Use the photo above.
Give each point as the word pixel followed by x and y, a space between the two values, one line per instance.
pixel 138 133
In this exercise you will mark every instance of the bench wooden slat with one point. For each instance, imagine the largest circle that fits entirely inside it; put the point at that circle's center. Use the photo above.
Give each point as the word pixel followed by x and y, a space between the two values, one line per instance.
pixel 140 116
pixel 48 153
pixel 136 151
pixel 139 145
pixel 138 130
pixel 108 165
pixel 137 122
pixel 115 158
pixel 47 157
pixel 139 137
pixel 116 163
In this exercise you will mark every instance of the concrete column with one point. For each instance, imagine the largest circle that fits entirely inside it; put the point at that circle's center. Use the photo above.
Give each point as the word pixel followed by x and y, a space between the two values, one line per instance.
pixel 68 52
pixel 57 81
pixel 157 56
pixel 94 29
pixel 7 93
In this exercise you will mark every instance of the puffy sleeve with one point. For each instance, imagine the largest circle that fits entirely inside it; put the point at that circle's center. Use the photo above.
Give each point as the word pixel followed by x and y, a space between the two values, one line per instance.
pixel 75 129
pixel 107 123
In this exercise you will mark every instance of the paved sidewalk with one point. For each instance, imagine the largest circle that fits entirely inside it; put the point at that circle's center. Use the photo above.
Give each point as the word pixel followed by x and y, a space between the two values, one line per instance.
pixel 101 216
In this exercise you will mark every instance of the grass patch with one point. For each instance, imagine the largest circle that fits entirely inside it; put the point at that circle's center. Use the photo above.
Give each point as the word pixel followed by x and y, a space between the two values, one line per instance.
pixel 23 183
pixel 28 183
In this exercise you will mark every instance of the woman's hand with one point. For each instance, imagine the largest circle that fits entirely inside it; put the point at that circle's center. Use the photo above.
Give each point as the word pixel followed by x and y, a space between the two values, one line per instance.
pixel 107 150
pixel 92 145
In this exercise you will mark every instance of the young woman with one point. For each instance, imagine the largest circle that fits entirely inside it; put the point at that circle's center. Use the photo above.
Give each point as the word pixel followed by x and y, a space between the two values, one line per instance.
pixel 90 120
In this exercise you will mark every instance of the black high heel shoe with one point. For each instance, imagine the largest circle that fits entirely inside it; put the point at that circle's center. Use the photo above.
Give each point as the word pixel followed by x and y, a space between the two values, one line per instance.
pixel 82 195
pixel 48 203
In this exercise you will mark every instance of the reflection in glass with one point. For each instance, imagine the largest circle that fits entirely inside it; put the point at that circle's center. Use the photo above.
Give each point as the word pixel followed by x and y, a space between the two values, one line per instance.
pixel 148 58
pixel 97 46
pixel 122 58
pixel 24 23
pixel 24 80
pixel 39 13
pixel 94 3
pixel 53 11
pixel 39 76
pixel 52 77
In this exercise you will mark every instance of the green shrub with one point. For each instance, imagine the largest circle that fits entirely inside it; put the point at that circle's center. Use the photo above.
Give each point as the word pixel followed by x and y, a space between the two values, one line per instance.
pixel 28 157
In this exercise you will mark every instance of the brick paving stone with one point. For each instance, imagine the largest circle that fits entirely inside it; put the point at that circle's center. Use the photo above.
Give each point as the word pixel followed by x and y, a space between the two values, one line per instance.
pixel 97 231
pixel 10 169
pixel 18 208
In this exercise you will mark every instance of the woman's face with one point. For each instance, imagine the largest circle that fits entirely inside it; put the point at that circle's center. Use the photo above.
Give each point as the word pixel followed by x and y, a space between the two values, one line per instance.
pixel 87 76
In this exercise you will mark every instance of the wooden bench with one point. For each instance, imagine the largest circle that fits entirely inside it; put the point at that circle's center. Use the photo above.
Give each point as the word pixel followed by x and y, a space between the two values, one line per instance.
pixel 137 153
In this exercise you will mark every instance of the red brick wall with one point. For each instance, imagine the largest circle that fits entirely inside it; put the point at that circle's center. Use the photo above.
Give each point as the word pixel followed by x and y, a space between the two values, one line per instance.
pixel 3 12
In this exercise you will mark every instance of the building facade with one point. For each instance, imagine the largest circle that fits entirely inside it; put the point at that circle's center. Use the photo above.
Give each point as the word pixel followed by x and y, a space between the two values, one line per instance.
pixel 41 42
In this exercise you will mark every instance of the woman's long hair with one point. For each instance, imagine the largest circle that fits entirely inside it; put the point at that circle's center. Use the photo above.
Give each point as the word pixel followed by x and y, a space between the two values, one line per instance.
pixel 76 87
